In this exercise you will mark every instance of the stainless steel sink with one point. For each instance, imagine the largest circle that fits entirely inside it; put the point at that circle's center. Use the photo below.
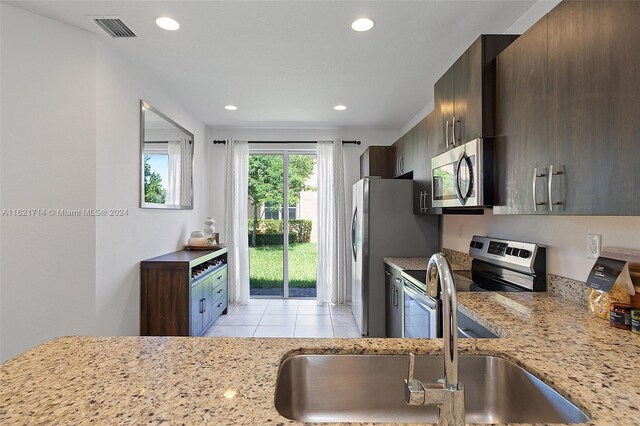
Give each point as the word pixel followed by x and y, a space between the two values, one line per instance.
pixel 369 388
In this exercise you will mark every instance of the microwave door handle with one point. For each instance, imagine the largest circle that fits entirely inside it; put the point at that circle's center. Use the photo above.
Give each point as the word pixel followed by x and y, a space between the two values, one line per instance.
pixel 456 182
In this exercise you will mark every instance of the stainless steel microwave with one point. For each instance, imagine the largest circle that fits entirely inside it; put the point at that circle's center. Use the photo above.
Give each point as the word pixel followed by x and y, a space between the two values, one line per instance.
pixel 463 176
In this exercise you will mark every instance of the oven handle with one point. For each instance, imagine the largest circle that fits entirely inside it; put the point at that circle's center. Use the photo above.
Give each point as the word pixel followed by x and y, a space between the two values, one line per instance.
pixel 417 295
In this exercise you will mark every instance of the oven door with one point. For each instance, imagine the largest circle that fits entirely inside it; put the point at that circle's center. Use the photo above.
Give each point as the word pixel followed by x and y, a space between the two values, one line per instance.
pixel 421 314
pixel 456 176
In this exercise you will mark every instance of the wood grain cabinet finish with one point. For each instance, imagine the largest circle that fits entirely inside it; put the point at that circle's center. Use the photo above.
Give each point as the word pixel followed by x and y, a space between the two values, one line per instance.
pixel 182 293
pixel 594 107
pixel 568 102
pixel 428 147
pixel 403 159
pixel 378 161
pixel 464 97
pixel 520 144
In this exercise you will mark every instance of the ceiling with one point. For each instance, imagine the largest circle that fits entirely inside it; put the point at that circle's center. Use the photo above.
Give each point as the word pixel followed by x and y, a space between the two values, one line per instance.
pixel 287 63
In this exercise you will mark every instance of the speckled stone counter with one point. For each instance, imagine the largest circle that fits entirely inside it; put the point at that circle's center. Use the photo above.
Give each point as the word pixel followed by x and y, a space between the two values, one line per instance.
pixel 183 380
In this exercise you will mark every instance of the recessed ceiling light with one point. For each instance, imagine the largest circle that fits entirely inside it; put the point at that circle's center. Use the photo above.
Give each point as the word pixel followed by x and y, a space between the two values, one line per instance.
pixel 339 107
pixel 231 107
pixel 362 24
pixel 167 23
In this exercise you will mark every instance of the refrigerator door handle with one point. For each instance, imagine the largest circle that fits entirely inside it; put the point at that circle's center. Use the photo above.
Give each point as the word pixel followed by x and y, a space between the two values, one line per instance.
pixel 353 233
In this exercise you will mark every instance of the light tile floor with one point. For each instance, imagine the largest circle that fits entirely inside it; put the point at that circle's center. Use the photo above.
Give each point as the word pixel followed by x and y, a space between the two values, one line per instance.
pixel 285 318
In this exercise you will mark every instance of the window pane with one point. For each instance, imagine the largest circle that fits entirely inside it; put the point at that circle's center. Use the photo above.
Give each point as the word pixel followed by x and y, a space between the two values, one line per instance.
pixel 303 248
pixel 266 240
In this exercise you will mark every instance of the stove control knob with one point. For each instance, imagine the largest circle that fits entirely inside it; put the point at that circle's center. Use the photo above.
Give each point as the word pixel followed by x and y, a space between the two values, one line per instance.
pixel 510 251
pixel 524 254
pixel 515 252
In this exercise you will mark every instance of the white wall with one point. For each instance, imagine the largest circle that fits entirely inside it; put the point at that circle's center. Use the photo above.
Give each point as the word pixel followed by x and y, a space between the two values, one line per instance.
pixel 565 236
pixel 352 154
pixel 48 161
pixel 122 242
pixel 70 139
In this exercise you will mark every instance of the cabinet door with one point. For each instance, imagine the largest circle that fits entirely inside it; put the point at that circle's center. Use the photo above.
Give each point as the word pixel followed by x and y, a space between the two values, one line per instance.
pixel 398 311
pixel 594 104
pixel 195 310
pixel 388 311
pixel 207 295
pixel 411 144
pixel 377 161
pixel 443 109
pixel 425 150
pixel 521 124
pixel 467 98
pixel 420 169
pixel 400 147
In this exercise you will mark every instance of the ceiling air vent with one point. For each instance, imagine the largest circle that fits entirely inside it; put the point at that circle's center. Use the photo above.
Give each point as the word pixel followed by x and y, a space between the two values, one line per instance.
pixel 115 27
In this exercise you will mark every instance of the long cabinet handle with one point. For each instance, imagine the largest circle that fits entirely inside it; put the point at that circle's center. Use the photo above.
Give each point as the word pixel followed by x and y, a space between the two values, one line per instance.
pixel 453 131
pixel 395 297
pixel 387 273
pixel 398 280
pixel 535 199
pixel 551 175
pixel 446 134
pixel 204 305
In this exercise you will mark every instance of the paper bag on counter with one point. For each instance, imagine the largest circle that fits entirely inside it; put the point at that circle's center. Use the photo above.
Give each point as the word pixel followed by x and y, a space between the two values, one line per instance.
pixel 610 282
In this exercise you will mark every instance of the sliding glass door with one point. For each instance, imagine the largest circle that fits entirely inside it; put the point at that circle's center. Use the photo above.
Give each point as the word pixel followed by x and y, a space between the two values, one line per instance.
pixel 282 202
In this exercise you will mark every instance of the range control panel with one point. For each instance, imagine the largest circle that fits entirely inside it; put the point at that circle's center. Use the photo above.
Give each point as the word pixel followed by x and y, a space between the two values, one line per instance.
pixel 515 254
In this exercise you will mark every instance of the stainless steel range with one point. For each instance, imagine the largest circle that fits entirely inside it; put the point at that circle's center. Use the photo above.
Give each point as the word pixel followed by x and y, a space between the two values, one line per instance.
pixel 498 265
pixel 505 265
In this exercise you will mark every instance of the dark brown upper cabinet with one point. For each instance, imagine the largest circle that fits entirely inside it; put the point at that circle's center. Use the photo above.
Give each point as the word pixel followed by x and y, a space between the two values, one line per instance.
pixel 594 107
pixel 428 148
pixel 520 145
pixel 378 161
pixel 567 119
pixel 404 148
pixel 464 97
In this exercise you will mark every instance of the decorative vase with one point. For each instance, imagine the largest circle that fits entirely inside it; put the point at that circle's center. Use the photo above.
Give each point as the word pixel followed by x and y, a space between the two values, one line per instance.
pixel 209 227
pixel 197 239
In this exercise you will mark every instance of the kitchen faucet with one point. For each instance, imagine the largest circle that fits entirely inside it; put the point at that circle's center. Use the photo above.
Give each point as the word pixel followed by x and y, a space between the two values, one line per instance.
pixel 448 396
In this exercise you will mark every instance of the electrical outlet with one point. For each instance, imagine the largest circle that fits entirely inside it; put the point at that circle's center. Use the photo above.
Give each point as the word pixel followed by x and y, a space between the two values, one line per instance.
pixel 594 242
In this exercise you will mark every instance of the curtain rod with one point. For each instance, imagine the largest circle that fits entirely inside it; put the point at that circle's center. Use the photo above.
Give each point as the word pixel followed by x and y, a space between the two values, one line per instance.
pixel 162 141
pixel 217 142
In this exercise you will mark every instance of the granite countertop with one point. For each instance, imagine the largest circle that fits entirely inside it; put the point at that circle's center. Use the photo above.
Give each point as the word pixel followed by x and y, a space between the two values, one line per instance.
pixel 183 380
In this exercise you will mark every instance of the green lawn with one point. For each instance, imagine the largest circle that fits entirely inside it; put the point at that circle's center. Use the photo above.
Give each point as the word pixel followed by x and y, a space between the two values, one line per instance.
pixel 266 269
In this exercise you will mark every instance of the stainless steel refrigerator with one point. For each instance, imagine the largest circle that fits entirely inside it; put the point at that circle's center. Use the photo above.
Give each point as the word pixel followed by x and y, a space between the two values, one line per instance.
pixel 383 225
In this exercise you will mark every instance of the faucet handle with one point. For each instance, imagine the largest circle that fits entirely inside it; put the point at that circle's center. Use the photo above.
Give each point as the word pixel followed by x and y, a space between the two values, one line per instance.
pixel 412 365
pixel 414 392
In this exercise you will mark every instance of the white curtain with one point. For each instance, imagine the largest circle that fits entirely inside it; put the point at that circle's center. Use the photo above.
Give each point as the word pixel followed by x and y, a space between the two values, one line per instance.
pixel 174 173
pixel 237 229
pixel 332 230
pixel 186 164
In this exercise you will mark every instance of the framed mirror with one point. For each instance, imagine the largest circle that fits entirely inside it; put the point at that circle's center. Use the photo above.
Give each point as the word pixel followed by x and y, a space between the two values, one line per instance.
pixel 167 161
